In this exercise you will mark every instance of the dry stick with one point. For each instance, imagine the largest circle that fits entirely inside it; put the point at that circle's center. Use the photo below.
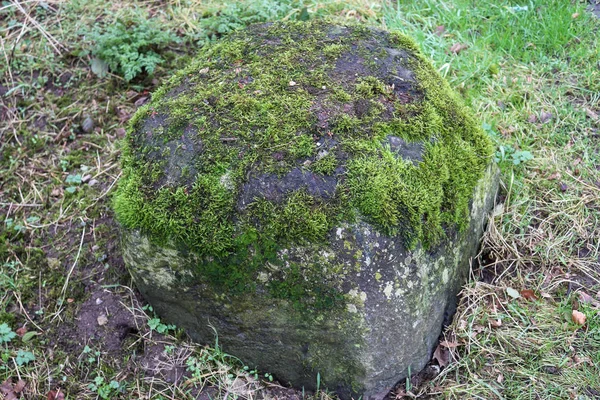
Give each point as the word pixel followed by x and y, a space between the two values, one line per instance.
pixel 20 205
pixel 53 42
pixel 24 311
pixel 64 288
pixel 12 81
pixel 105 193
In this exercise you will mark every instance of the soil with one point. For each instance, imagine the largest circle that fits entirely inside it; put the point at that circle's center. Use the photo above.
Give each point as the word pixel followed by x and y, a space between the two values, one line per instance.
pixel 594 7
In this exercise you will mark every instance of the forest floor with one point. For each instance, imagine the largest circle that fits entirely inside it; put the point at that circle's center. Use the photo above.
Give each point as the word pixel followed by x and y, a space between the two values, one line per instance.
pixel 72 325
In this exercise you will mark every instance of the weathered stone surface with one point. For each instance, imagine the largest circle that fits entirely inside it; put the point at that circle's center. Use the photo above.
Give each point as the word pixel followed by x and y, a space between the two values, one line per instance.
pixel 313 194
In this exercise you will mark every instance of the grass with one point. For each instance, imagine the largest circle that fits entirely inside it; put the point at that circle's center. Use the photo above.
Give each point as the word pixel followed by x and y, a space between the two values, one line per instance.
pixel 529 70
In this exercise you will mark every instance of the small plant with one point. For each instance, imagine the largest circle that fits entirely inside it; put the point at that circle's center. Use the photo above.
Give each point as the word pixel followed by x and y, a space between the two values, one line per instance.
pixel 516 157
pixel 6 334
pixel 73 181
pixel 156 325
pixel 129 47
pixel 254 373
pixel 24 357
pixel 106 390
pixel 92 355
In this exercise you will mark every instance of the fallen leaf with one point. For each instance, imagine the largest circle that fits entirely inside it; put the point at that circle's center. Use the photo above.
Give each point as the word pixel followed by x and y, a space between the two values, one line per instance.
pixel 500 378
pixel 102 320
pixel 141 101
pixel 439 30
pixel 592 114
pixel 292 83
pixel 574 15
pixel 478 329
pixel 528 294
pixel 546 295
pixel 458 47
pixel 99 67
pixel 449 345
pixel 18 388
pixel 496 323
pixel 532 119
pixel 10 391
pixel 512 293
pixel 21 331
pixel 498 210
pixel 88 124
pixel 554 176
pixel 584 298
pixel 581 359
pixel 545 117
pixel 442 356
pixel 55 395
pixel 578 317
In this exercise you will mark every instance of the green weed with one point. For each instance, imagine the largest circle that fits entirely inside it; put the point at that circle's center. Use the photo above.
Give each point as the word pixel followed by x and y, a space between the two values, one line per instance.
pixel 130 47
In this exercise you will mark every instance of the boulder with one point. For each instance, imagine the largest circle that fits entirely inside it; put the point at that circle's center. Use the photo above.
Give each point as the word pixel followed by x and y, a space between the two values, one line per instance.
pixel 313 194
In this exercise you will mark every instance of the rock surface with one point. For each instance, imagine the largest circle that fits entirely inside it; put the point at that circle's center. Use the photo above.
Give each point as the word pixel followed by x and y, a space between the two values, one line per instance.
pixel 312 193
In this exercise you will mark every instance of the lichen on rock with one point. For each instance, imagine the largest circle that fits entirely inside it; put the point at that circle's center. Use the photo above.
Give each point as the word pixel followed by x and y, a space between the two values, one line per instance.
pixel 289 161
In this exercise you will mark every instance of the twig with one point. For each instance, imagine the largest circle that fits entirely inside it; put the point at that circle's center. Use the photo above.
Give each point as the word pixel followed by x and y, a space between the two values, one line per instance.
pixel 64 288
pixel 21 205
pixel 53 42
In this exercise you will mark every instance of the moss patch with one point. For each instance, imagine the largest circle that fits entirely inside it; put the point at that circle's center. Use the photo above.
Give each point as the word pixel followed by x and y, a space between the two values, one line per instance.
pixel 287 97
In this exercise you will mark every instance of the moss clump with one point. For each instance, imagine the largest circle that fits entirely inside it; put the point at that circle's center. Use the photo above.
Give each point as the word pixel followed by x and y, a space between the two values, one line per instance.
pixel 313 97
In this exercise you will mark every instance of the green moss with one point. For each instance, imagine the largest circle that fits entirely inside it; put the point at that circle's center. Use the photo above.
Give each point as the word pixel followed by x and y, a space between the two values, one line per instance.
pixel 254 104
pixel 325 165
pixel 369 87
pixel 333 51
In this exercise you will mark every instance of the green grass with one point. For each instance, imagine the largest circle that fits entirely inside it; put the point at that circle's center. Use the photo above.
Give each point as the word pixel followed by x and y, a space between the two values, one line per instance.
pixel 531 75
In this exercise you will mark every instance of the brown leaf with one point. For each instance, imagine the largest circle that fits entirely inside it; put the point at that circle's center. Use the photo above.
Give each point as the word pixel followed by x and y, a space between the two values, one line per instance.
pixel 141 101
pixel 545 117
pixel 122 115
pixel 442 356
pixel 586 298
pixel 581 359
pixel 496 323
pixel 55 395
pixel 528 294
pixel 592 114
pixel 500 378
pixel 554 176
pixel 18 388
pixel 7 389
pixel 578 317
pixel 458 47
pixel 449 345
pixel 439 30
pixel 21 331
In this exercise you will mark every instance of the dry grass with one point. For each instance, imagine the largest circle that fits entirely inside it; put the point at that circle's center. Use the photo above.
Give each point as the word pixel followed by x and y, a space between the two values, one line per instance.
pixel 59 248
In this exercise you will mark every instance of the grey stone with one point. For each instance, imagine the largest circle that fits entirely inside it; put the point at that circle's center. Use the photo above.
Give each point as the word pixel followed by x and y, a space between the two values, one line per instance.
pixel 394 320
pixel 356 294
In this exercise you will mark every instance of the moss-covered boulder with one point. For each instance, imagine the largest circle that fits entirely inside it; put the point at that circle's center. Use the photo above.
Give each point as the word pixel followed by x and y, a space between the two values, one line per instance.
pixel 311 192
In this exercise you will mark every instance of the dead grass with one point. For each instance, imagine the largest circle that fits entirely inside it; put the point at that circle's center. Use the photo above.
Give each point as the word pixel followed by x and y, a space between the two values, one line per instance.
pixel 58 249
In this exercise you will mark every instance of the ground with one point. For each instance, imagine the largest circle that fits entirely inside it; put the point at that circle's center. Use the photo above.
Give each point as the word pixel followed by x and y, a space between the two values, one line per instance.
pixel 70 319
